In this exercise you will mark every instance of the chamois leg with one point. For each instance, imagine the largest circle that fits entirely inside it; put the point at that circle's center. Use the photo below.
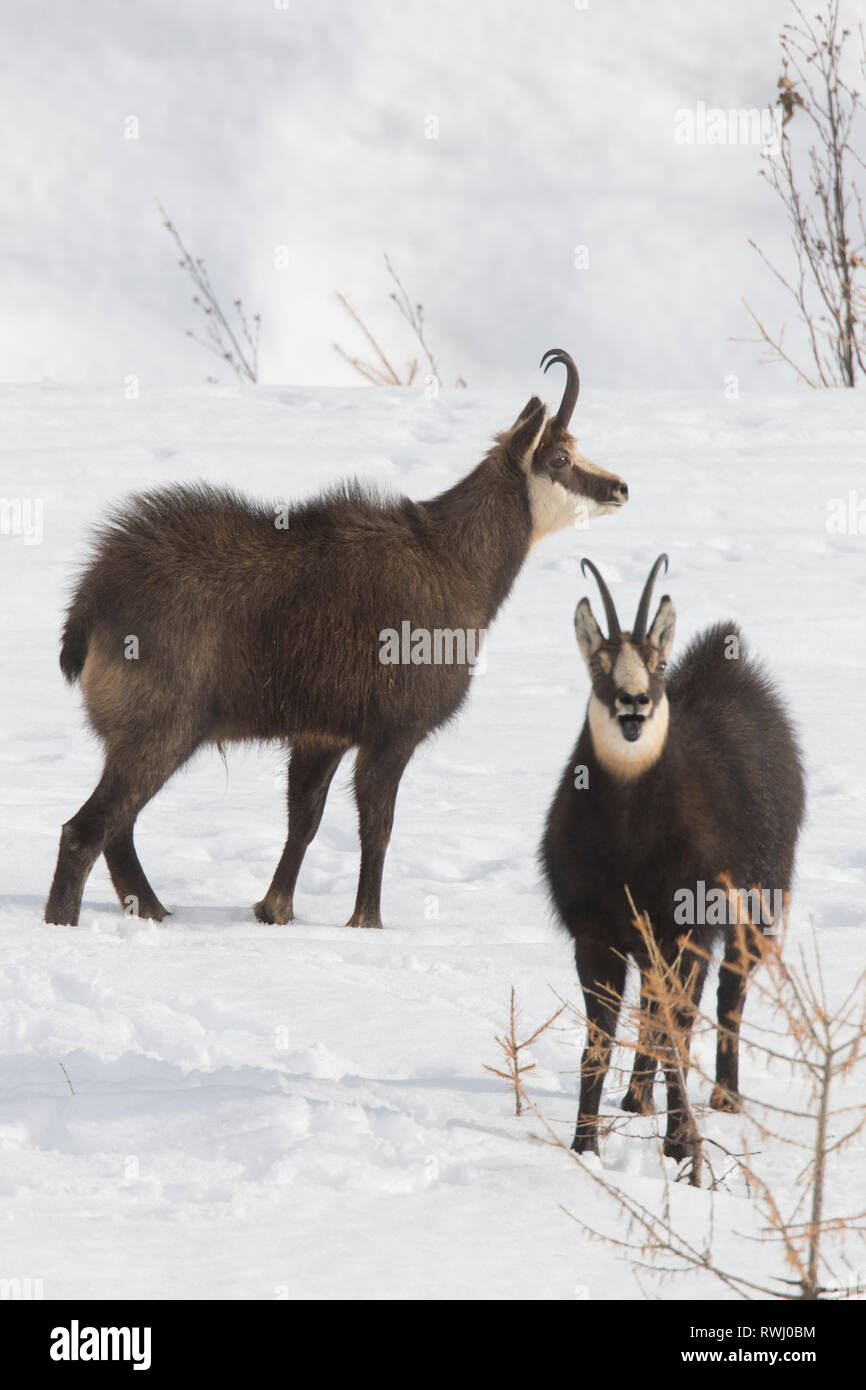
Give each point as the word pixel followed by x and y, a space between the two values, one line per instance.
pixel 734 972
pixel 687 980
pixel 377 776
pixel 638 1099
pixel 133 773
pixel 129 878
pixel 602 979
pixel 311 769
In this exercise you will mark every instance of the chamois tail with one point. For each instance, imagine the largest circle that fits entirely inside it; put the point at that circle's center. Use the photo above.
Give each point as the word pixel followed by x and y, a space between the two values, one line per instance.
pixel 73 649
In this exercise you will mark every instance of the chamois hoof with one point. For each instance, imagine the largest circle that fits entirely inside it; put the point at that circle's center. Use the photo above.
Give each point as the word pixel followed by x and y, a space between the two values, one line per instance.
pixel 273 916
pixel 59 917
pixel 152 911
pixel 584 1144
pixel 362 920
pixel 675 1149
pixel 680 1147
pixel 723 1099
pixel 636 1103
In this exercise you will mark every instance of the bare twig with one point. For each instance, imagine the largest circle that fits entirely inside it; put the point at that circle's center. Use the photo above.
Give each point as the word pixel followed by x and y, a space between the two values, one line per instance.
pixel 825 1046
pixel 383 372
pixel 239 347
pixel 414 316
pixel 384 375
pixel 822 203
pixel 512 1049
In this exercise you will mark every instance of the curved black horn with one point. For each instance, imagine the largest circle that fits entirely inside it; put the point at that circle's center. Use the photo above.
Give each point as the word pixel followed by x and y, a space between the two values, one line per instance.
pixel 639 632
pixel 572 384
pixel 613 628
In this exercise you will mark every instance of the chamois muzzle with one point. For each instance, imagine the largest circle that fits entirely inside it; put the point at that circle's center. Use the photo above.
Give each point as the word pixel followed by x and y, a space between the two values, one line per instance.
pixel 631 720
pixel 618 493
pixel 631 727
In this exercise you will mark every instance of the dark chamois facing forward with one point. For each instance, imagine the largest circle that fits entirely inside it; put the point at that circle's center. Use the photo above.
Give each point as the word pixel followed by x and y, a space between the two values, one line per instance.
pixel 205 618
pixel 684 781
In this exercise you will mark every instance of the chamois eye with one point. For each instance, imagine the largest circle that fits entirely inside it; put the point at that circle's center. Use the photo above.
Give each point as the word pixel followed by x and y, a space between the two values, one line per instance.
pixel 559 461
pixel 642 700
pixel 662 666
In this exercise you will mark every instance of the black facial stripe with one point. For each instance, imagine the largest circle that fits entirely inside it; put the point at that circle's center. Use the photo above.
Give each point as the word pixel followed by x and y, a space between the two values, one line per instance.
pixel 592 485
pixel 606 689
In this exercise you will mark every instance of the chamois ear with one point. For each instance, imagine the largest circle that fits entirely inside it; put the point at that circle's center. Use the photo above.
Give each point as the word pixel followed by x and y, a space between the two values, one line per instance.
pixel 526 431
pixel 661 634
pixel 589 636
pixel 529 409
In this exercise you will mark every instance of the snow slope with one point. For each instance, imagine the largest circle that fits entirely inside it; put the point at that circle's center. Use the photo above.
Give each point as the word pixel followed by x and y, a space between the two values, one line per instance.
pixel 303 1111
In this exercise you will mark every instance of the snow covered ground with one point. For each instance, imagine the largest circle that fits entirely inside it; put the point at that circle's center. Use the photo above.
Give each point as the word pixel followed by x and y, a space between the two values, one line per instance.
pixel 303 1111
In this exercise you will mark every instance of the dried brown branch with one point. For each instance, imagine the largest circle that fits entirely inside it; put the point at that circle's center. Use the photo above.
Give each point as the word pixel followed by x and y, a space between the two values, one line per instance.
pixel 414 316
pixel 670 993
pixel 384 373
pixel 821 200
pixel 775 350
pixel 827 1042
pixel 512 1048
pixel 381 376
pixel 239 348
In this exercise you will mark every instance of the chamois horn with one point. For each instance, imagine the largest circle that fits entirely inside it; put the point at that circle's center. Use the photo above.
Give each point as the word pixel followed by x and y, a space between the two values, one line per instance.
pixel 572 384
pixel 613 628
pixel 639 632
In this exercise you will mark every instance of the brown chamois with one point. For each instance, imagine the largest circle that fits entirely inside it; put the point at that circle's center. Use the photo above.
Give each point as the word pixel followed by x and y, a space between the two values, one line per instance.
pixel 243 622
pixel 677 784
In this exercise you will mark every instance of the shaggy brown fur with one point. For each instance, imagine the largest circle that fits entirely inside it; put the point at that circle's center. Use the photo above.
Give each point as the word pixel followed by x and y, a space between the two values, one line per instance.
pixel 247 630
pixel 724 797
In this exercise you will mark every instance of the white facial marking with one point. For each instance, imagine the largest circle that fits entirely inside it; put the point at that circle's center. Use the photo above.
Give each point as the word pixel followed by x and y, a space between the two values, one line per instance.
pixel 554 507
pixel 629 672
pixel 617 756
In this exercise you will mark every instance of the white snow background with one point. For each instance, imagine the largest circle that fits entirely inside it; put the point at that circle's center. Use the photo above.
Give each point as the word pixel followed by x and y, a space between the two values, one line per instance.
pixel 288 141
pixel 265 1112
